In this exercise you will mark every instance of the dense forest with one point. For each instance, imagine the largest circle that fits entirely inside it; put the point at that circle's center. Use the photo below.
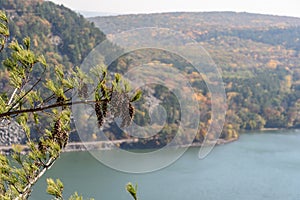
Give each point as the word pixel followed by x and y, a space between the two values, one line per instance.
pixel 63 36
pixel 258 56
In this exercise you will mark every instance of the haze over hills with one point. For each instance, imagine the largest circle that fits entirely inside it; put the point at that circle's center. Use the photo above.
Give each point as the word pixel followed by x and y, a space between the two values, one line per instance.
pixel 236 40
pixel 233 39
pixel 201 21
pixel 88 14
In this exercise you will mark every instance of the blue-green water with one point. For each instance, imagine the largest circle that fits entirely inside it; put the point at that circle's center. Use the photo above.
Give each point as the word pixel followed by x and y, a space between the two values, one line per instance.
pixel 259 166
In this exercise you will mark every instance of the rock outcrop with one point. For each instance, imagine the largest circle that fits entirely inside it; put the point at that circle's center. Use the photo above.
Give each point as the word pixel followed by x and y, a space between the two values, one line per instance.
pixel 11 133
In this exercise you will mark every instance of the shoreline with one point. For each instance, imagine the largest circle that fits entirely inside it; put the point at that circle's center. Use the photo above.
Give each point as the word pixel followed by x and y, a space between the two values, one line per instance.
pixel 271 129
pixel 109 145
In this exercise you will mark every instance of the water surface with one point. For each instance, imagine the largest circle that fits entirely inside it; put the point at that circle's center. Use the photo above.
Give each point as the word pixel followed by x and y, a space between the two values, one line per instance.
pixel 259 166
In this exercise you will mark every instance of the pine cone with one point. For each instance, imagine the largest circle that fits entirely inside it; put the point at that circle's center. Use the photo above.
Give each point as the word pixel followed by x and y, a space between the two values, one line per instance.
pixel 131 111
pixel 41 147
pixel 115 103
pixel 99 114
pixel 64 139
pixel 56 129
pixel 60 136
pixel 121 107
pixel 104 107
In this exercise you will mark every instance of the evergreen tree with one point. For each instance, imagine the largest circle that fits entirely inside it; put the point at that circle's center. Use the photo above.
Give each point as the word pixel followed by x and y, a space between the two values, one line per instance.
pixel 26 105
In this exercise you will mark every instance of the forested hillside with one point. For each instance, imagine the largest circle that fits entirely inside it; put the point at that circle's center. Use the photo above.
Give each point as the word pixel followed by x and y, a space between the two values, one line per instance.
pixel 60 34
pixel 258 55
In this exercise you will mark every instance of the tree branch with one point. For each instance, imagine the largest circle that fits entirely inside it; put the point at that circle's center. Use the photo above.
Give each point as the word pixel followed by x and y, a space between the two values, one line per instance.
pixel 55 105
pixel 27 190
pixel 18 101
pixel 52 97
pixel 12 96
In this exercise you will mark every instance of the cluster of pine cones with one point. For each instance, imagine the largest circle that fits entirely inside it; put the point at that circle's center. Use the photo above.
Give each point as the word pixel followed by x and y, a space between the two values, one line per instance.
pixel 120 106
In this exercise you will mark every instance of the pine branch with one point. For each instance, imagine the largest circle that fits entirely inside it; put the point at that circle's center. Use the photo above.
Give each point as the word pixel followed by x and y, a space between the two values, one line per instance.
pixel 42 108
pixel 12 96
pixel 27 190
pixel 53 96
pixel 20 99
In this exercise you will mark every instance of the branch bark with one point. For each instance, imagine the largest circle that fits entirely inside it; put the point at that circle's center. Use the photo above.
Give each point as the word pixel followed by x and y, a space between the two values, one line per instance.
pixel 42 108
pixel 12 96
pixel 27 190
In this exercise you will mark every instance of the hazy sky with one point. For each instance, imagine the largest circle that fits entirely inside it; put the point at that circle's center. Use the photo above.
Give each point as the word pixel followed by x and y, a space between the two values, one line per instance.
pixel 277 7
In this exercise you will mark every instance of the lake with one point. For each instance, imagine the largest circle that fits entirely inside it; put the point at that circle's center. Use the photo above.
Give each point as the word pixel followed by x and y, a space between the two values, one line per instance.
pixel 259 166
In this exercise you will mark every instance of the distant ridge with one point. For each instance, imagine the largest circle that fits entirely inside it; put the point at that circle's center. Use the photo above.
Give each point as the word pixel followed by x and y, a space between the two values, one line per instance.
pixel 193 20
pixel 88 14
pixel 258 56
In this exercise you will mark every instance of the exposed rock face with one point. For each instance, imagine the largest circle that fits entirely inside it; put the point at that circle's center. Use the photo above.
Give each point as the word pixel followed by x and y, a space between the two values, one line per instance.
pixel 11 133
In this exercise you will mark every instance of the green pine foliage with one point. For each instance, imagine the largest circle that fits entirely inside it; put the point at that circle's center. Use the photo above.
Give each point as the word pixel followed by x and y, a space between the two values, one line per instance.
pixel 132 190
pixel 27 106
